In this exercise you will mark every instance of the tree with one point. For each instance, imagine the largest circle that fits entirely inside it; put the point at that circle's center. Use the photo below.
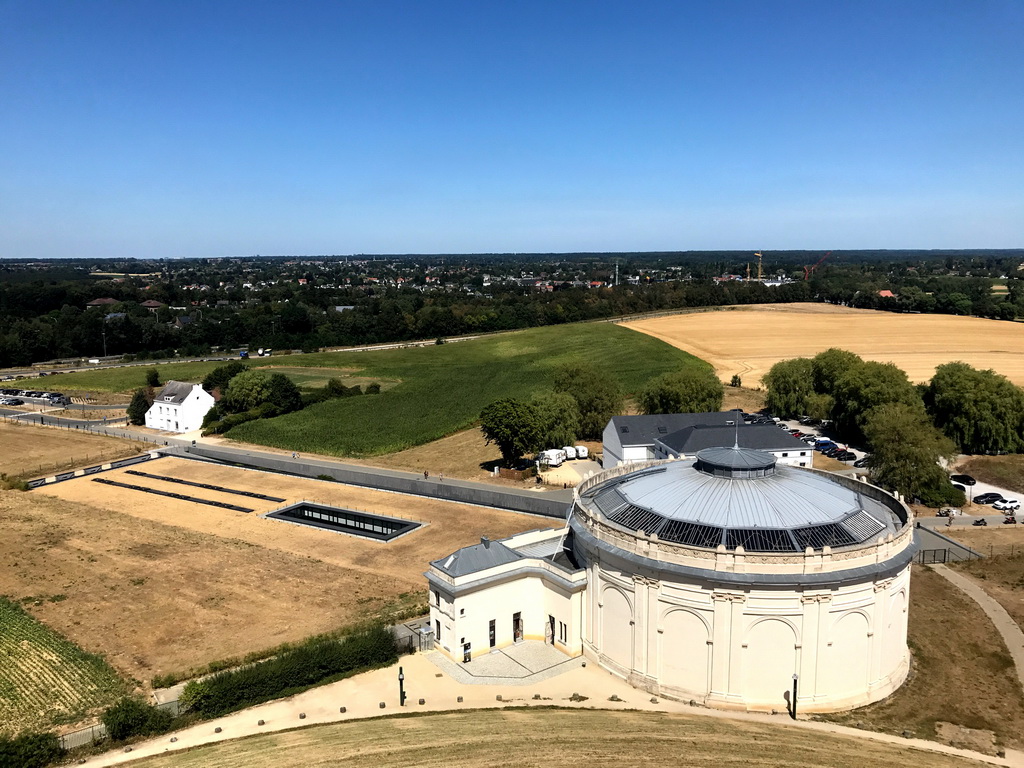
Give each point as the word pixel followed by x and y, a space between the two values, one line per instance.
pixel 598 397
pixel 218 378
pixel 981 411
pixel 558 420
pixel 285 395
pixel 512 425
pixel 30 750
pixel 905 451
pixel 867 386
pixel 131 717
pixel 790 385
pixel 137 407
pixel 691 390
pixel 828 367
pixel 247 390
pixel 152 377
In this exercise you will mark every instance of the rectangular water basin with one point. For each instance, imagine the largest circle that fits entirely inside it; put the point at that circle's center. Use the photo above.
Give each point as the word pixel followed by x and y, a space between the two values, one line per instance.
pixel 343 520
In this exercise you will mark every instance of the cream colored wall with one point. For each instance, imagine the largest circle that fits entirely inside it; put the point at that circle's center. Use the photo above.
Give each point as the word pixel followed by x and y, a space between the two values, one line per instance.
pixel 735 649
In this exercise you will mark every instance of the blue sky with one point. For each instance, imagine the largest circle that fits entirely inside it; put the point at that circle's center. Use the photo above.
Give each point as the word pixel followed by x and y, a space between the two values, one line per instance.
pixel 185 129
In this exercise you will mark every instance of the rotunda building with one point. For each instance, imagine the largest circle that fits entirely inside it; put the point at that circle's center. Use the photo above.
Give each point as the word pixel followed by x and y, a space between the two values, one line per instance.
pixel 728 579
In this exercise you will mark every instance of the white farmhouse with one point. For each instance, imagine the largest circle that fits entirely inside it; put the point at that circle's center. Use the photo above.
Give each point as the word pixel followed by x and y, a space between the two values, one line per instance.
pixel 179 407
pixel 631 438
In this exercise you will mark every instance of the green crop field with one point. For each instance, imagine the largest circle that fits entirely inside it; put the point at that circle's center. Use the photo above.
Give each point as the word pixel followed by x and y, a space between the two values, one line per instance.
pixel 443 388
pixel 130 378
pixel 46 680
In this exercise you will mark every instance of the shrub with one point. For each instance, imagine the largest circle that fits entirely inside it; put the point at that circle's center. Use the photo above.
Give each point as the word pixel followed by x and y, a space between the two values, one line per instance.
pixel 30 750
pixel 736 381
pixel 131 717
pixel 152 377
pixel 373 389
pixel 310 663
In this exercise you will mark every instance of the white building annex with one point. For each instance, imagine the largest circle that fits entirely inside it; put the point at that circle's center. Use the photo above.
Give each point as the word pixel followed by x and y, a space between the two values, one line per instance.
pixel 179 407
pixel 716 579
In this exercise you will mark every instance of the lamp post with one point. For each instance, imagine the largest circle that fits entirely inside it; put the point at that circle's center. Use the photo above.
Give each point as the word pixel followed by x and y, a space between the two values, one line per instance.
pixel 793 705
pixel 401 687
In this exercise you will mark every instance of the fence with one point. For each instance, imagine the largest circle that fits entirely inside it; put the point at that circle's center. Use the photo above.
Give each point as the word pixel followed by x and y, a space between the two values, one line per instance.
pixel 88 735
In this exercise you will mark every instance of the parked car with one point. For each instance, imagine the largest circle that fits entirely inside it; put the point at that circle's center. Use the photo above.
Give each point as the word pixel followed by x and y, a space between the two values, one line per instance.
pixel 845 456
pixel 988 498
pixel 963 479
pixel 961 488
pixel 860 463
pixel 1007 505
pixel 14 401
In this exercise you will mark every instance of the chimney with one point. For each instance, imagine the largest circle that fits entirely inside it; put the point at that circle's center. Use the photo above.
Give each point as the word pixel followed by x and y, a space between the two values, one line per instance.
pixel 486 542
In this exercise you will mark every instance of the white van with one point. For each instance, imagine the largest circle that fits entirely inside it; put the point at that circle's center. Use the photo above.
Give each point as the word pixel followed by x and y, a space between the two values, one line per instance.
pixel 551 458
pixel 570 452
pixel 582 452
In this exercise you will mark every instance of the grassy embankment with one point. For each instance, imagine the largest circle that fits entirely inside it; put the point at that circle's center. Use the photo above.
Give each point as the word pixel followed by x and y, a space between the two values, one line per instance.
pixel 442 388
pixel 536 737
pixel 45 680
pixel 1002 577
pixel 1002 471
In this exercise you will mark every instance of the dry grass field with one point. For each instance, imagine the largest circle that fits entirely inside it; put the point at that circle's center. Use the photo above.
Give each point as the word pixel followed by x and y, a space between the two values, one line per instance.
pixel 1002 577
pixel 534 738
pixel 29 450
pixel 163 585
pixel 1002 471
pixel 962 671
pixel 749 340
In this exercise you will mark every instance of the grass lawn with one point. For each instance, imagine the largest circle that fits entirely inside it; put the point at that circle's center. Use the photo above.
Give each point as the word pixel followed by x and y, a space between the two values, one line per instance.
pixel 962 672
pixel 540 737
pixel 1002 577
pixel 443 388
pixel 46 680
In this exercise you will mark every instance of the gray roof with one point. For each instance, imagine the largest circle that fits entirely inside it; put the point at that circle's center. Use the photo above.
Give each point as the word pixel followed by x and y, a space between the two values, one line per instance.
pixel 174 392
pixel 645 429
pixel 478 557
pixel 781 509
pixel 763 437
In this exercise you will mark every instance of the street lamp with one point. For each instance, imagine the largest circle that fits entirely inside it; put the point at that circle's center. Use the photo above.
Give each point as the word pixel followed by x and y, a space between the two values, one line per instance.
pixel 793 702
pixel 401 687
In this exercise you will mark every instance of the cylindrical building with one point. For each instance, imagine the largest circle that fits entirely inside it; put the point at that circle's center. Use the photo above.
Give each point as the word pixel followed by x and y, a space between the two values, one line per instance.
pixel 726 578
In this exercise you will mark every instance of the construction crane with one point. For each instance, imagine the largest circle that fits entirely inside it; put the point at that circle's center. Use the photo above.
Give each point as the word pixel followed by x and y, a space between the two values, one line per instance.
pixel 808 271
pixel 758 254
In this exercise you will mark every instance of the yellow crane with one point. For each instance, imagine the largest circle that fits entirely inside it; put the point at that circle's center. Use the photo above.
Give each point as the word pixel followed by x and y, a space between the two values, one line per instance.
pixel 758 254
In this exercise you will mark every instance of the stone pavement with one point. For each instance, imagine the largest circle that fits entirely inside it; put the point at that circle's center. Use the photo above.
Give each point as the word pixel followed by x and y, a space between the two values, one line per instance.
pixel 1008 628
pixel 520 664
pixel 362 695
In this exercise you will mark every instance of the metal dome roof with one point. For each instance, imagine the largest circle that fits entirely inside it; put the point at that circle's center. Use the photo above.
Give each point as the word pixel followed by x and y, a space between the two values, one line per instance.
pixel 737 497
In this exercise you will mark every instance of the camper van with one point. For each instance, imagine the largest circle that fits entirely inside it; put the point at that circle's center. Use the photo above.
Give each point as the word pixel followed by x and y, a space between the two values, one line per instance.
pixel 551 458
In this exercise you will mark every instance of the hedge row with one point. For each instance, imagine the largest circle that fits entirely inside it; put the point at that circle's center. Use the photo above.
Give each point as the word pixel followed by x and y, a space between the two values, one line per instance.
pixel 308 664
pixel 30 750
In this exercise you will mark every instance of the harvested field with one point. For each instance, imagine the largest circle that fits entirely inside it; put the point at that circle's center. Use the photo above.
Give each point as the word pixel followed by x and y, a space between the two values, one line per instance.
pixel 744 398
pixel 45 680
pixel 33 451
pixel 204 583
pixel 749 340
pixel 1002 577
pixel 962 671
pixel 533 737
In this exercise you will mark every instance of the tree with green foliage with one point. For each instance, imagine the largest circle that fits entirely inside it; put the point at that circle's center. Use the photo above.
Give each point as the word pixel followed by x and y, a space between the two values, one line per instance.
pixel 284 395
pixel 152 377
pixel 30 750
pixel 137 407
pixel 828 367
pixel 131 717
pixel 905 451
pixel 790 385
pixel 558 420
pixel 218 378
pixel 247 390
pixel 691 390
pixel 512 425
pixel 598 397
pixel 865 387
pixel 981 411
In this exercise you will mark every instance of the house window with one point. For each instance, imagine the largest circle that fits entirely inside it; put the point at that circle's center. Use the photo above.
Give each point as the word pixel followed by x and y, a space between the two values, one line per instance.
pixel 437 630
pixel 563 632
pixel 437 597
pixel 785 454
pixel 803 453
pixel 462 611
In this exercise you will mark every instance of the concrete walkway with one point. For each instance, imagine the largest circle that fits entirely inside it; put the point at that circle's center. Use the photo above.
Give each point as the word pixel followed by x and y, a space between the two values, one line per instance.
pixel 361 696
pixel 1008 628
pixel 524 663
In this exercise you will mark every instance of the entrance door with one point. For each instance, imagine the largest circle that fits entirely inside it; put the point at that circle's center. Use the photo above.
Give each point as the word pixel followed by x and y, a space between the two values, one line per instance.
pixel 517 627
pixel 490 633
pixel 549 631
pixel 466 654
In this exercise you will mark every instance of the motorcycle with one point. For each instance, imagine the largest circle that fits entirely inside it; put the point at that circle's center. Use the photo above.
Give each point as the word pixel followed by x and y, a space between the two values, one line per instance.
pixel 980 521
pixel 1010 520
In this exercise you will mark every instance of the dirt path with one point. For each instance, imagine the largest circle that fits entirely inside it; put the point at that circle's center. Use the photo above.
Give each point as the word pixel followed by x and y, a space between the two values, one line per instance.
pixel 1011 633
pixel 361 696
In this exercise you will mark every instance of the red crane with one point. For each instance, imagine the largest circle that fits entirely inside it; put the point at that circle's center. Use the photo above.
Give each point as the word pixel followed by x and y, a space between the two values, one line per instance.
pixel 808 271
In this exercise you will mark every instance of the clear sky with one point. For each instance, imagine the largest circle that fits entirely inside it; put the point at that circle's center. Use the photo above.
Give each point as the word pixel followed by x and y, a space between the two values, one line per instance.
pixel 204 128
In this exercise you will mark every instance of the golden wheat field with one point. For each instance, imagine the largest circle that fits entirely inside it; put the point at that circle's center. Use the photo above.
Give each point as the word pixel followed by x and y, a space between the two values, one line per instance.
pixel 748 340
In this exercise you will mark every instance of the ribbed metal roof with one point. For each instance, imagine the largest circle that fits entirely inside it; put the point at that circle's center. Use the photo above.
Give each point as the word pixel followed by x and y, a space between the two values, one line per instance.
pixel 764 509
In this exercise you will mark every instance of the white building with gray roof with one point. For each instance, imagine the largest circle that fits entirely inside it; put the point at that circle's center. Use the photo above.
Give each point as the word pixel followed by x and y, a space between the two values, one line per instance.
pixel 723 578
pixel 179 407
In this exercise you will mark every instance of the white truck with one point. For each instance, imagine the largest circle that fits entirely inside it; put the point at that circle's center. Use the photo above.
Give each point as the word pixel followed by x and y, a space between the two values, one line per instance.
pixel 551 458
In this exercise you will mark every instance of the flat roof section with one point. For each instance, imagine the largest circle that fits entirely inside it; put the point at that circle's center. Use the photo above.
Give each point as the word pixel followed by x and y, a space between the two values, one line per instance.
pixel 341 520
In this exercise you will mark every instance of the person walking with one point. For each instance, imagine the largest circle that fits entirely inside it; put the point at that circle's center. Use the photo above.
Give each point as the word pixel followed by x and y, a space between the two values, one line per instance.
pixel 426 475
